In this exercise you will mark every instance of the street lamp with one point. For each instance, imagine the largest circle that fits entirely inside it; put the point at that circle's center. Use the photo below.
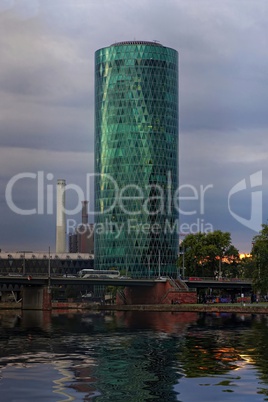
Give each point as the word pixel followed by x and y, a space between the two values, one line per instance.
pixel 182 252
pixel 159 265
pixel 183 266
pixel 149 267
pixel 178 265
pixel 126 266
pixel 23 267
pixel 49 270
pixel 10 260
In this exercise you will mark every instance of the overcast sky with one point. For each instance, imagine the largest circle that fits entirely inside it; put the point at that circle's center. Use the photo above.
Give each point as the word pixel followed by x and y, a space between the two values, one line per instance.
pixel 47 107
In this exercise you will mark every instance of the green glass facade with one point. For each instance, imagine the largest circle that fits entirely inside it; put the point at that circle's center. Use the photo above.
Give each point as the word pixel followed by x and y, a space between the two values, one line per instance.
pixel 136 158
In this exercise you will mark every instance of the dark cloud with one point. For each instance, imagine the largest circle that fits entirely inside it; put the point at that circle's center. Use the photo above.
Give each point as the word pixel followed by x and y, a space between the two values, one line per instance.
pixel 47 98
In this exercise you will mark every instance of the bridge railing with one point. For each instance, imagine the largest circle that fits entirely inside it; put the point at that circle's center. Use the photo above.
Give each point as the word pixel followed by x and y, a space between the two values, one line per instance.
pixel 207 278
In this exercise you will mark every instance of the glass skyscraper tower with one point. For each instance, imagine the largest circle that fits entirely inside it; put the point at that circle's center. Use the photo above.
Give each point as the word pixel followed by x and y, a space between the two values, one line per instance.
pixel 136 158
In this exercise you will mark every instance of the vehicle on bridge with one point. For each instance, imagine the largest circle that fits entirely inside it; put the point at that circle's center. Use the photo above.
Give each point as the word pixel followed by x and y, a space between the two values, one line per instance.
pixel 195 278
pixel 101 273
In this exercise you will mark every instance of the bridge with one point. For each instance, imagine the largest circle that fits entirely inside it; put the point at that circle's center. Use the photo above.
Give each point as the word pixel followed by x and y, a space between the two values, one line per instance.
pixel 36 289
pixel 43 280
pixel 235 283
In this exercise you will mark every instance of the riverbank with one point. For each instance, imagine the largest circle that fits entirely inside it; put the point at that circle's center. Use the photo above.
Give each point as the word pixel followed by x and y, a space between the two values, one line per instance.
pixel 251 308
pixel 254 308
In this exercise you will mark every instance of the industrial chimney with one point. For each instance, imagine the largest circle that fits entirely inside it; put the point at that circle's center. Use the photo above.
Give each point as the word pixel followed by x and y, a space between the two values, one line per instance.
pixel 61 221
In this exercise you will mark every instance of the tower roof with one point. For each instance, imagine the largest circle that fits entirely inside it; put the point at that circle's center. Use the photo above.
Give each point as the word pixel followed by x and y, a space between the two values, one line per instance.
pixel 137 42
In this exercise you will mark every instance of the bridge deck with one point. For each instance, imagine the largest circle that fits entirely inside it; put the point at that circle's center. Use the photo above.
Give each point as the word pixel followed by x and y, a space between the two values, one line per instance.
pixel 62 280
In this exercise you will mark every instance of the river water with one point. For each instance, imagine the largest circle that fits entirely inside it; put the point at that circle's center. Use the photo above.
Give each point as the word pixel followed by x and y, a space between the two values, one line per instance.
pixel 133 357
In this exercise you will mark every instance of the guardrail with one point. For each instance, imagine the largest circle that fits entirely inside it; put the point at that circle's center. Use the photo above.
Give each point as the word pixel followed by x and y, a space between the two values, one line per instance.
pixel 207 278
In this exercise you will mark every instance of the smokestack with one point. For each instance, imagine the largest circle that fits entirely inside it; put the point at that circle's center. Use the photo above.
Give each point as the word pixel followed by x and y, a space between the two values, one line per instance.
pixel 84 212
pixel 61 221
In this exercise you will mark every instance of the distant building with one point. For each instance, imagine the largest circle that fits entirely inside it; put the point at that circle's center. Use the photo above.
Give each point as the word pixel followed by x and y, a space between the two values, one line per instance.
pixel 73 245
pixel 82 240
pixel 36 263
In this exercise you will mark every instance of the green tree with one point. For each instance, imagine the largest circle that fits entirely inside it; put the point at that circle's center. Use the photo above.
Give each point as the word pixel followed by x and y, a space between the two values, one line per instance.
pixel 260 258
pixel 246 267
pixel 209 254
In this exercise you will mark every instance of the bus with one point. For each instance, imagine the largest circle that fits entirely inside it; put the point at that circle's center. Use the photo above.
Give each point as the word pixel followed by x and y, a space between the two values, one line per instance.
pixel 100 273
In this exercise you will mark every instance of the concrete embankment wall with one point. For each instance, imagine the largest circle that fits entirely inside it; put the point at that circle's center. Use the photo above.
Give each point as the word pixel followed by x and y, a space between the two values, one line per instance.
pixel 216 308
pixel 210 308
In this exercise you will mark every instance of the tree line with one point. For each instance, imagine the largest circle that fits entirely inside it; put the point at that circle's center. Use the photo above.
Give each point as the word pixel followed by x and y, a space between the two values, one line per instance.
pixel 213 255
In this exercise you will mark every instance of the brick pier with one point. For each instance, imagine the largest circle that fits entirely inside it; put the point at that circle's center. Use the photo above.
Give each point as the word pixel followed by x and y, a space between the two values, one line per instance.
pixel 169 292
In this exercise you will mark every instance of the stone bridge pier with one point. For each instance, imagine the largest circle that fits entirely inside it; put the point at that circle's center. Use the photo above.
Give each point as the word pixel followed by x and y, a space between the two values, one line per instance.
pixel 36 298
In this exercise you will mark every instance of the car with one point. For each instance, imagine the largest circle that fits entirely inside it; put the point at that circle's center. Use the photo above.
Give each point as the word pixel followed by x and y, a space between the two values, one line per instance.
pixel 69 276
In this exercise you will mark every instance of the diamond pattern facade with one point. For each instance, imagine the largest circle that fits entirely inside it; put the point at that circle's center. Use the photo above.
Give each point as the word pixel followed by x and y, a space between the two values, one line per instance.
pixel 136 158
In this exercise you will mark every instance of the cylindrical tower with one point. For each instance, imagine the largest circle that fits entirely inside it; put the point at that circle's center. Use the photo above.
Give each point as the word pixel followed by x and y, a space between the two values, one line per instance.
pixel 136 158
pixel 61 219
